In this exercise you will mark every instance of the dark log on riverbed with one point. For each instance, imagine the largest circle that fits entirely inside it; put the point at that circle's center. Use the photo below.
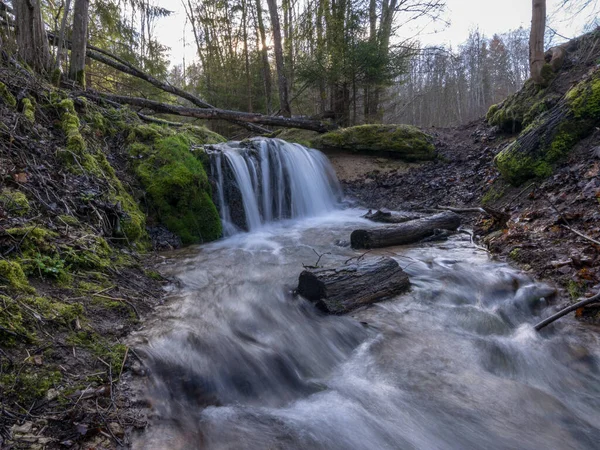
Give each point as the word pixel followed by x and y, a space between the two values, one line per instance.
pixel 348 287
pixel 405 233
pixel 389 217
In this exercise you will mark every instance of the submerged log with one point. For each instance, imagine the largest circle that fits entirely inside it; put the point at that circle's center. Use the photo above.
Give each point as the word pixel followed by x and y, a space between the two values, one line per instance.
pixel 389 217
pixel 348 287
pixel 405 233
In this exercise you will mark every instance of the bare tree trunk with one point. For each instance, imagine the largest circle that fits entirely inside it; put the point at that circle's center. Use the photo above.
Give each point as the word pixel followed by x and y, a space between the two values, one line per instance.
pixel 61 37
pixel 536 40
pixel 32 41
pixel 246 56
pixel 264 52
pixel 284 103
pixel 79 41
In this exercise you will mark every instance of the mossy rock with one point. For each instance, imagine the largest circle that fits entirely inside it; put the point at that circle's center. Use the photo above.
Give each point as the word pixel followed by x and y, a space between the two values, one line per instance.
pixel 520 109
pixel 399 141
pixel 296 136
pixel 548 140
pixel 14 202
pixel 175 180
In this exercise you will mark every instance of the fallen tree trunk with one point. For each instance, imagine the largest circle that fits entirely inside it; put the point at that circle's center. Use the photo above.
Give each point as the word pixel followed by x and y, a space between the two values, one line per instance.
pixel 348 287
pixel 405 233
pixel 121 65
pixel 389 217
pixel 204 113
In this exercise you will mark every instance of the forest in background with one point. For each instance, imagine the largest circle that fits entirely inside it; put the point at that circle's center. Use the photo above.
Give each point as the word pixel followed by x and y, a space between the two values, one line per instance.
pixel 329 59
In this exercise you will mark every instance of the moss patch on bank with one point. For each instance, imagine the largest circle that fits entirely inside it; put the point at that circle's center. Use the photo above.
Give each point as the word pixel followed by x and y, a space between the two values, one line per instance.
pixel 399 141
pixel 550 138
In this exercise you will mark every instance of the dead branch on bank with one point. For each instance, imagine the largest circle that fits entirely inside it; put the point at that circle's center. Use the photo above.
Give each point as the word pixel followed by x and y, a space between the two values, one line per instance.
pixel 205 113
pixel 567 310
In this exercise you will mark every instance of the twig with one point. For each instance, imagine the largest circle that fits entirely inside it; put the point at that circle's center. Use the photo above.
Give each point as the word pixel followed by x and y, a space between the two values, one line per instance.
pixel 568 227
pixel 316 266
pixel 567 310
pixel 357 258
pixel 123 363
pixel 519 194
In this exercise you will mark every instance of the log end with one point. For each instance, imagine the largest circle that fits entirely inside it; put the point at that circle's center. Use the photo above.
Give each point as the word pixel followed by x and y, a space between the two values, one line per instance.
pixel 310 287
pixel 360 239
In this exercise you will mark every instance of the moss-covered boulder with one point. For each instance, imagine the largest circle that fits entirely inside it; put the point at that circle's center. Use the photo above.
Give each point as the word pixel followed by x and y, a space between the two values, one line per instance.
pixel 552 136
pixel 399 141
pixel 174 178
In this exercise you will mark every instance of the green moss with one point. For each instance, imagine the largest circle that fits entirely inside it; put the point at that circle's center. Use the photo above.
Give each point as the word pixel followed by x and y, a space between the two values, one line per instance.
pixel 491 112
pixel 575 289
pixel 6 96
pixel 11 321
pixel 12 275
pixel 547 74
pixel 516 111
pixel 515 254
pixel 583 103
pixel 153 274
pixel 177 185
pixel 492 195
pixel 14 202
pixel 70 125
pixel 33 238
pixel 46 266
pixel 147 133
pixel 402 141
pixel 202 135
pixel 56 311
pixel 29 110
pixel 92 254
pixel 68 220
pixel 29 384
pixel 296 135
pixel 110 353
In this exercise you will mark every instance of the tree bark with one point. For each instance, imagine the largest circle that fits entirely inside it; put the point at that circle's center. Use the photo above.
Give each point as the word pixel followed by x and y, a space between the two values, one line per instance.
pixel 79 41
pixel 284 103
pixel 406 233
pixel 264 53
pixel 32 41
pixel 61 37
pixel 536 40
pixel 348 287
pixel 208 114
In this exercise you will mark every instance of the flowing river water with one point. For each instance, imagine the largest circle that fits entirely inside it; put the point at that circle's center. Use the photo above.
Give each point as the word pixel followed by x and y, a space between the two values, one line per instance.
pixel 236 361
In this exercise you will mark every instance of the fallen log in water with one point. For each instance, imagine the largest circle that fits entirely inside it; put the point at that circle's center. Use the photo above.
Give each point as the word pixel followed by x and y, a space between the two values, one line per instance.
pixel 348 287
pixel 404 233
pixel 389 217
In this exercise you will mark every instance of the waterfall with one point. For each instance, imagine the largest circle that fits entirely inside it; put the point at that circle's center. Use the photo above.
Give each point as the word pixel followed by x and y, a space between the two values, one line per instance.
pixel 262 180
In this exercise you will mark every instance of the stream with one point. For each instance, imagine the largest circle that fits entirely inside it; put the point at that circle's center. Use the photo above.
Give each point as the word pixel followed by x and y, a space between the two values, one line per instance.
pixel 236 361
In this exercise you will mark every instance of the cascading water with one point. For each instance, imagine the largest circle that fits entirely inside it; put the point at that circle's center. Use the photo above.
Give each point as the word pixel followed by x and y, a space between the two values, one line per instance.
pixel 262 180
pixel 235 361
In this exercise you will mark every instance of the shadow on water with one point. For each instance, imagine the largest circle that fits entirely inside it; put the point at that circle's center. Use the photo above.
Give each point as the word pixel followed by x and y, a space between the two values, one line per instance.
pixel 237 362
